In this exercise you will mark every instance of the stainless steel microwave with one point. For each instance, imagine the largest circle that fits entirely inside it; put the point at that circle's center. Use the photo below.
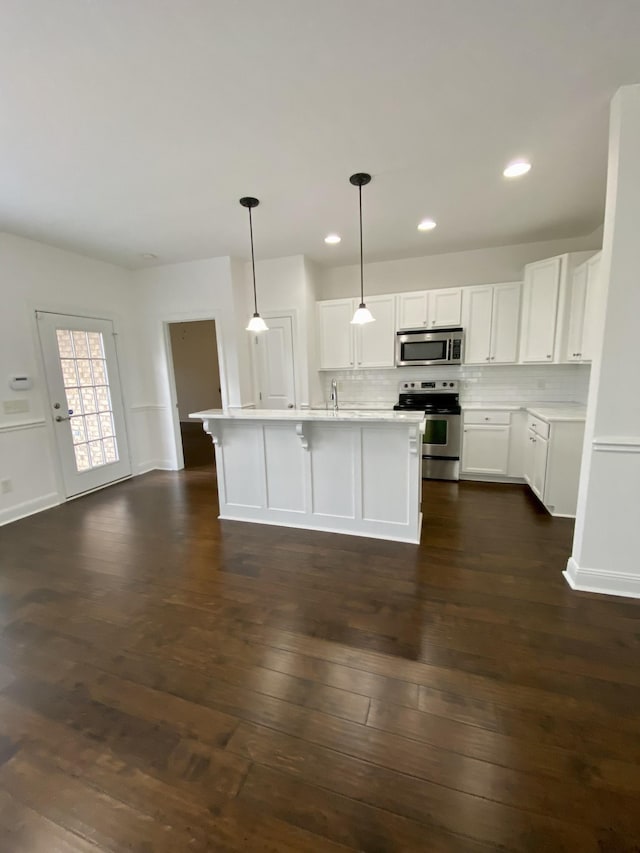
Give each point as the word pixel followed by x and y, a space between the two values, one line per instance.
pixel 429 346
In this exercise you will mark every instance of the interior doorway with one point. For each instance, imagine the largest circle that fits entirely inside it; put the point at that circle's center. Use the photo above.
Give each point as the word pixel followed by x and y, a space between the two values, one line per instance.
pixel 194 353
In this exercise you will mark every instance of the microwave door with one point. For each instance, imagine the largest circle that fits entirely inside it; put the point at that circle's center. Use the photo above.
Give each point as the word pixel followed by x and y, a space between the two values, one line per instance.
pixel 425 350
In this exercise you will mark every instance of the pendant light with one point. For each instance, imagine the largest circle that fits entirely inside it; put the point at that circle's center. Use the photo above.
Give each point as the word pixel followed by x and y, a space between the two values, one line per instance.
pixel 256 323
pixel 362 315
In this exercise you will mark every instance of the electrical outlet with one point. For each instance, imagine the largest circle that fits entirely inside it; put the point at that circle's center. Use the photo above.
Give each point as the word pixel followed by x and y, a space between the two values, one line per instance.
pixel 6 486
pixel 15 407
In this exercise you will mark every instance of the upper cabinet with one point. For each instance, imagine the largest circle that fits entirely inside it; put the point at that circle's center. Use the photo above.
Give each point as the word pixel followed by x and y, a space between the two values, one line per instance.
pixel 375 342
pixel 413 310
pixel 545 308
pixel 424 309
pixel 585 311
pixel 344 346
pixel 540 293
pixel 335 334
pixel 445 307
pixel 490 317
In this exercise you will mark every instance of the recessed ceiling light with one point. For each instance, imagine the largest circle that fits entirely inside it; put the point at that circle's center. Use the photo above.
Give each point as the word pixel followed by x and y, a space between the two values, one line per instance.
pixel 427 225
pixel 516 169
pixel 332 238
pixel 149 256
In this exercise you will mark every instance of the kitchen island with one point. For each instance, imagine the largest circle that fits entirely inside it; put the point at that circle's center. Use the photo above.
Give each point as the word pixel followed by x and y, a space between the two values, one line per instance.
pixel 355 472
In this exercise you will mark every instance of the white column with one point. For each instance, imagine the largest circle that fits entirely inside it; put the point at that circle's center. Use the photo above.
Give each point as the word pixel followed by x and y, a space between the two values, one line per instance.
pixel 606 545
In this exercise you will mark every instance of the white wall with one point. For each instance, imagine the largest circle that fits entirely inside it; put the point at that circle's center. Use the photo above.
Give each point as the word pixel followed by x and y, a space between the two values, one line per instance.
pixel 35 276
pixel 514 384
pixel 288 286
pixel 196 290
pixel 479 266
pixel 194 351
pixel 606 547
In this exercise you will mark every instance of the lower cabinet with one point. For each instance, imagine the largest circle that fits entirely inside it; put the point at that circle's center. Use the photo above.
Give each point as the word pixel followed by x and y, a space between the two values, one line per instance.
pixel 485 443
pixel 552 459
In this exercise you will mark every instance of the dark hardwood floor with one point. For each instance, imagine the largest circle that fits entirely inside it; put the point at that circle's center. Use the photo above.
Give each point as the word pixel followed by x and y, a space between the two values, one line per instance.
pixel 172 683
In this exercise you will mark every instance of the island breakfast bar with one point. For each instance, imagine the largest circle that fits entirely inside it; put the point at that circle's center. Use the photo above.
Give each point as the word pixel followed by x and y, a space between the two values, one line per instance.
pixel 340 471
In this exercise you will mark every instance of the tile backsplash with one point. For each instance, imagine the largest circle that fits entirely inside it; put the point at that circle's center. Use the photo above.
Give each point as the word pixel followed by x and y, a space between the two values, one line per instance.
pixel 516 384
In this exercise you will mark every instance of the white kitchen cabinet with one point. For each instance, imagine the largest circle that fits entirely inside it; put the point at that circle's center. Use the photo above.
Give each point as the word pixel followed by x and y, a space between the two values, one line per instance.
pixel 552 458
pixel 545 313
pixel 445 307
pixel 375 342
pixel 412 310
pixel 335 334
pixel 344 346
pixel 485 449
pixel 586 310
pixel 490 317
pixel 540 294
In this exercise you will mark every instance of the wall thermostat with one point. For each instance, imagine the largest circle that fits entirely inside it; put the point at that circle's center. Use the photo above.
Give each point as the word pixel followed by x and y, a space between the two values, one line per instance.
pixel 20 382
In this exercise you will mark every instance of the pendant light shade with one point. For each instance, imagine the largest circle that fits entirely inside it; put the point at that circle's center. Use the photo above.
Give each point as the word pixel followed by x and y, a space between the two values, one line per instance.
pixel 362 315
pixel 256 323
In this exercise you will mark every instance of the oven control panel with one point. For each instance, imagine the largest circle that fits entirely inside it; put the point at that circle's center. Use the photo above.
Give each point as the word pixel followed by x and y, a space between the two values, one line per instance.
pixel 439 386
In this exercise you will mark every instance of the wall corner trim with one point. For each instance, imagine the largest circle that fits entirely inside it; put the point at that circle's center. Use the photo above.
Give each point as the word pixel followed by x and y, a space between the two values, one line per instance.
pixel 605 583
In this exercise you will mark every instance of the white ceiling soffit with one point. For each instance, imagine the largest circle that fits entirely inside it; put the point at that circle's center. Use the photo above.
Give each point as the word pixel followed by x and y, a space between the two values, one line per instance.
pixel 135 127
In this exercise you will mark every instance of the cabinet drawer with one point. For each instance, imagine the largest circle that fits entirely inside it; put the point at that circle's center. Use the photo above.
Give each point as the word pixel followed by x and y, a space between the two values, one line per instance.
pixel 541 428
pixel 479 416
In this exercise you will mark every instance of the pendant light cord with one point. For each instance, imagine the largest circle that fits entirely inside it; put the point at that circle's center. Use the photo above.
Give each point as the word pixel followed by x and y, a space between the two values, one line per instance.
pixel 361 254
pixel 253 263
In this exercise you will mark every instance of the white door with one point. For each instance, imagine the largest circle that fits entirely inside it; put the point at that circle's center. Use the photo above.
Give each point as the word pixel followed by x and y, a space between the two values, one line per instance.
pixel 273 353
pixel 335 333
pixel 506 322
pixel 476 312
pixel 485 449
pixel 375 342
pixel 83 383
pixel 412 310
pixel 577 309
pixel 445 307
pixel 540 448
pixel 594 310
pixel 539 310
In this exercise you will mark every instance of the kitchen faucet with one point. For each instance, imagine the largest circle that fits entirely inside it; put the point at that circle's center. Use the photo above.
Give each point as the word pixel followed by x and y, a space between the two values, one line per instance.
pixel 334 394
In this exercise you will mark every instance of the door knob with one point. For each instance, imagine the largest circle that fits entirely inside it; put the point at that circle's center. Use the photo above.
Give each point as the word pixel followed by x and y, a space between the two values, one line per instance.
pixel 62 418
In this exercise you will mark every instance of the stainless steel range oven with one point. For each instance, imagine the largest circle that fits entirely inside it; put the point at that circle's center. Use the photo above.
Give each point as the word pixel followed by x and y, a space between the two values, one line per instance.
pixel 440 402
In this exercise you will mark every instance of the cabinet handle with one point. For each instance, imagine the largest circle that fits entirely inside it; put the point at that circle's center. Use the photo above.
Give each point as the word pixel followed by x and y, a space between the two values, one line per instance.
pixel 548 356
pixel 487 359
pixel 486 419
pixel 579 354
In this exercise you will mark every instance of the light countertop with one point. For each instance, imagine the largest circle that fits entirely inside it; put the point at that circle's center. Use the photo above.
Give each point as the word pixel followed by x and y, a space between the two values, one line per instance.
pixel 551 412
pixel 342 415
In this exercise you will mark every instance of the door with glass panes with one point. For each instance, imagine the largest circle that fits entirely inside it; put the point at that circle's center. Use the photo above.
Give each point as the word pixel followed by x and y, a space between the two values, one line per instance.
pixel 83 384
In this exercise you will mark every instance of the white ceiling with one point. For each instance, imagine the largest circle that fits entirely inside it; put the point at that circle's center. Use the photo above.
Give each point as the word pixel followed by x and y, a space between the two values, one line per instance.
pixel 133 126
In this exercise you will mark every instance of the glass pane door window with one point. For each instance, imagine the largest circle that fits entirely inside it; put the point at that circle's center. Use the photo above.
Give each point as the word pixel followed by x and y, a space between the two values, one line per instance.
pixel 83 385
pixel 86 385
pixel 436 432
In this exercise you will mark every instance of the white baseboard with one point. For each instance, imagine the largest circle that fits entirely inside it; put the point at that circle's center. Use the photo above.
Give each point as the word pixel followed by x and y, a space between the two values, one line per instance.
pixel 491 478
pixel 155 465
pixel 608 583
pixel 22 510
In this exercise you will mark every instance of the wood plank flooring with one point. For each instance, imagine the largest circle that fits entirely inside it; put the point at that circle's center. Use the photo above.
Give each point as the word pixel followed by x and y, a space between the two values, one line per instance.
pixel 169 682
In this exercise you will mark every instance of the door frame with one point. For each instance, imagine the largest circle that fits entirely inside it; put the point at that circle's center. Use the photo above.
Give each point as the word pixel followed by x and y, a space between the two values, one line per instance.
pixel 190 317
pixel 292 314
pixel 67 309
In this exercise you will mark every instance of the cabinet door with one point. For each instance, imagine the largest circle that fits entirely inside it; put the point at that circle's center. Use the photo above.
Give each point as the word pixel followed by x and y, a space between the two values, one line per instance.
pixel 485 449
pixel 577 313
pixel 505 323
pixel 594 310
pixel 539 310
pixel 528 456
pixel 476 314
pixel 540 447
pixel 412 310
pixel 375 342
pixel 445 307
pixel 336 333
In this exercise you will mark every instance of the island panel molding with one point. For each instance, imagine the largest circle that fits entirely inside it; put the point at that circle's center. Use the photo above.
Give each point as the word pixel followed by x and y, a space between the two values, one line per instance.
pixel 357 473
